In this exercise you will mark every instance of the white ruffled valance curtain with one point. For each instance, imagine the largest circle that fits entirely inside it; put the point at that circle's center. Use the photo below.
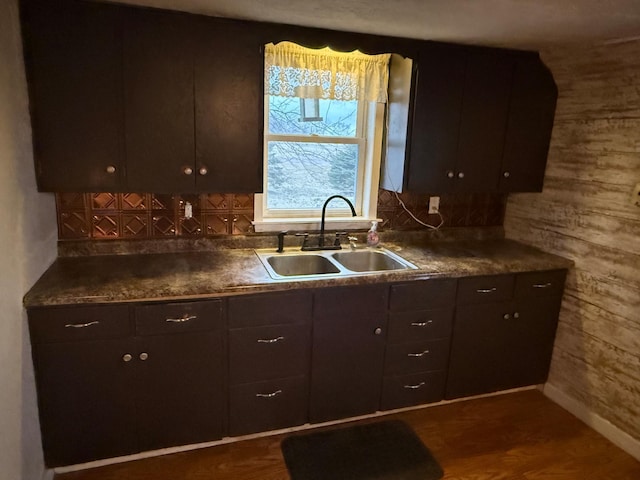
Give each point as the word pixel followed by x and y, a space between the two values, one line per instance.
pixel 295 71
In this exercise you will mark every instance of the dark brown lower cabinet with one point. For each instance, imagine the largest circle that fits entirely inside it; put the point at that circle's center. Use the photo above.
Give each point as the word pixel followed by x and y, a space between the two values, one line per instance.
pixel 417 353
pixel 181 394
pixel 349 333
pixel 85 400
pixel 269 349
pixel 505 344
pixel 119 386
pixel 118 379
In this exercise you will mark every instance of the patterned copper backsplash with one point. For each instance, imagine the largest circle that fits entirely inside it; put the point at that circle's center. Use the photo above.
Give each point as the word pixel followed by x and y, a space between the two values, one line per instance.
pixel 458 210
pixel 103 216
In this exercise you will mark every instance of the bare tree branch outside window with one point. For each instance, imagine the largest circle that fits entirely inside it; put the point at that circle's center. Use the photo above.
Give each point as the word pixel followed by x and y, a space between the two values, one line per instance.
pixel 302 172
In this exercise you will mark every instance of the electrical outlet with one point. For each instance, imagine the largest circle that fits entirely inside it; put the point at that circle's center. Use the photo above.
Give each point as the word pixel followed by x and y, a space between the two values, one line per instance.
pixel 434 204
pixel 635 195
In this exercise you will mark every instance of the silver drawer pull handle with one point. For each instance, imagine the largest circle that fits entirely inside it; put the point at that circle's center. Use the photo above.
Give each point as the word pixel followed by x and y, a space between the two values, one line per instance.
pixel 541 285
pixel 421 354
pixel 421 324
pixel 414 387
pixel 269 395
pixel 184 318
pixel 270 340
pixel 81 325
pixel 486 290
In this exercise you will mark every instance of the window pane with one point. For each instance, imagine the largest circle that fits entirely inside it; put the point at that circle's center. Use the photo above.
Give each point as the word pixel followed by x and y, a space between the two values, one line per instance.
pixel 303 175
pixel 339 117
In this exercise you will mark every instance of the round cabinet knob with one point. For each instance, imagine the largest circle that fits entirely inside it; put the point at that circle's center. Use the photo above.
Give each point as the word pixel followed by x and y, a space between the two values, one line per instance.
pixel 111 169
pixel 187 170
pixel 506 316
pixel 450 174
pixel 516 315
pixel 127 357
pixel 203 171
pixel 144 356
pixel 378 331
pixel 461 175
pixel 506 174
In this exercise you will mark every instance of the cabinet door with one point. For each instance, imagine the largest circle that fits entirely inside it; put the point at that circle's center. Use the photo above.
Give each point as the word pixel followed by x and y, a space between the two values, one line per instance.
pixel 158 82
pixel 347 363
pixel 74 68
pixel 483 121
pixel 478 357
pixel 501 345
pixel 349 333
pixel 531 114
pixel 436 118
pixel 181 396
pixel 229 84
pixel 86 400
pixel 532 333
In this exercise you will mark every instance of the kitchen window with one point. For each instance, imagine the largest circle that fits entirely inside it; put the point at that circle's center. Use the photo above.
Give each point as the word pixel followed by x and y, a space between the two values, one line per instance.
pixel 324 114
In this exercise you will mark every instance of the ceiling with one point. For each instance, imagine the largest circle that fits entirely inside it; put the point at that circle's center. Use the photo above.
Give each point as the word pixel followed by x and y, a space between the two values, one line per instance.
pixel 532 24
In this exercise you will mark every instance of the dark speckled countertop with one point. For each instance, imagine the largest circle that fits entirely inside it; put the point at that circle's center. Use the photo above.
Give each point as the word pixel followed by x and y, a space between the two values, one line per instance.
pixel 228 270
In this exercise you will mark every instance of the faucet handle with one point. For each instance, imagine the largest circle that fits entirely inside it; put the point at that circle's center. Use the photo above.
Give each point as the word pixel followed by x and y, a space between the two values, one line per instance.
pixel 352 242
pixel 306 238
pixel 336 242
pixel 281 236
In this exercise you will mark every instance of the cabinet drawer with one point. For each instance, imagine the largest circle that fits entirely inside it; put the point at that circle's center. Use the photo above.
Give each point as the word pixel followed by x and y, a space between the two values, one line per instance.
pixel 179 317
pixel 540 284
pixel 422 294
pixel 492 288
pixel 416 357
pixel 263 406
pixel 262 353
pixel 78 323
pixel 419 325
pixel 406 390
pixel 269 309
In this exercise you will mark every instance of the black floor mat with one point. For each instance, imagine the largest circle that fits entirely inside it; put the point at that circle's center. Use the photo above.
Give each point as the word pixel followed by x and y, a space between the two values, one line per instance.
pixel 387 450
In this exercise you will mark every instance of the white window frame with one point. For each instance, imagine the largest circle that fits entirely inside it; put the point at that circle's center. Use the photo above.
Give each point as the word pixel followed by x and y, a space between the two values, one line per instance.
pixel 369 131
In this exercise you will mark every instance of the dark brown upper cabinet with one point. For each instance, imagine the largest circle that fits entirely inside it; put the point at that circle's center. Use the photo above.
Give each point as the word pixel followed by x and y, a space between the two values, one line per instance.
pixel 193 104
pixel 132 99
pixel 128 99
pixel 480 121
pixel 73 58
pixel 229 99
pixel 531 113
pixel 159 101
pixel 435 128
pixel 483 122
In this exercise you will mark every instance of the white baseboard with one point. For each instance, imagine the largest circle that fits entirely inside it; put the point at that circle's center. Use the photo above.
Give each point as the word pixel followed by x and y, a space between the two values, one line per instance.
pixel 48 474
pixel 605 428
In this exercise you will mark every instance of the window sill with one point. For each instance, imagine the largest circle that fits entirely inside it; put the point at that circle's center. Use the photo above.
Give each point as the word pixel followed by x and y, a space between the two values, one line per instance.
pixel 312 224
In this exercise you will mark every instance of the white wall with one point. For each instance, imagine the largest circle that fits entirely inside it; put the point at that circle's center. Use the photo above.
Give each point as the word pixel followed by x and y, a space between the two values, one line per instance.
pixel 27 248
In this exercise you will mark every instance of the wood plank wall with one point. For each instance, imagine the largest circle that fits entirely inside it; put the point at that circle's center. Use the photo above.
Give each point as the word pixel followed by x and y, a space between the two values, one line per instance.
pixel 584 213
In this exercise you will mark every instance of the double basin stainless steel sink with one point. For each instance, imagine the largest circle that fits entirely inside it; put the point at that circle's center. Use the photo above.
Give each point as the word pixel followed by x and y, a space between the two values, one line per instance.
pixel 330 263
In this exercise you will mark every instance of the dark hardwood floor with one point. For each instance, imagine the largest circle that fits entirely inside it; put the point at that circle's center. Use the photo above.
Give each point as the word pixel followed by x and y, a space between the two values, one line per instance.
pixel 518 436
